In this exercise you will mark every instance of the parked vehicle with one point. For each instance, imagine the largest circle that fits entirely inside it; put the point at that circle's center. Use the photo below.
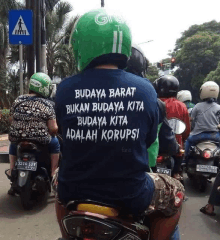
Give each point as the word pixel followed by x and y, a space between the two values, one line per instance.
pixel 30 176
pixel 203 162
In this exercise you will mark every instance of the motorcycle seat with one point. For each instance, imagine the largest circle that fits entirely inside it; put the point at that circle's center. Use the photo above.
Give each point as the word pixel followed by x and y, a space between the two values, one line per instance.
pixel 93 207
pixel 202 145
pixel 25 145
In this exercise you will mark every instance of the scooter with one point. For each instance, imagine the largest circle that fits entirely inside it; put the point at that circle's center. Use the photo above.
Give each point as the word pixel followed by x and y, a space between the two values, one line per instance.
pixel 30 176
pixel 203 162
pixel 98 221
pixel 165 163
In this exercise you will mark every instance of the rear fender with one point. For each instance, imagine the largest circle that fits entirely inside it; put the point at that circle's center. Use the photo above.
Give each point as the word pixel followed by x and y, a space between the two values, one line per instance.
pixel 22 177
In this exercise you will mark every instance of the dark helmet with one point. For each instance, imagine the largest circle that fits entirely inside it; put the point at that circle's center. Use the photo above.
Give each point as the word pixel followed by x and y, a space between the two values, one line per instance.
pixel 137 62
pixel 166 86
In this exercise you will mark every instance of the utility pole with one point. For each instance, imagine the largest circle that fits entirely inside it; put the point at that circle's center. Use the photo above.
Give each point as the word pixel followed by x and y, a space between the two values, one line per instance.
pixel 38 35
pixel 43 38
pixel 31 48
pixel 102 3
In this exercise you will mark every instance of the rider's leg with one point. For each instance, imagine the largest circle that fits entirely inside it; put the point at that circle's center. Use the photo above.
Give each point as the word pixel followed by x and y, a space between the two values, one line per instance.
pixel 176 234
pixel 162 228
pixel 165 208
pixel 54 148
pixel 12 156
pixel 12 160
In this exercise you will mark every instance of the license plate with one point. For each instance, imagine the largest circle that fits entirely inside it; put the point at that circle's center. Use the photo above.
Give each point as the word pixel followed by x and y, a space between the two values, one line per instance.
pixel 164 171
pixel 206 168
pixel 30 165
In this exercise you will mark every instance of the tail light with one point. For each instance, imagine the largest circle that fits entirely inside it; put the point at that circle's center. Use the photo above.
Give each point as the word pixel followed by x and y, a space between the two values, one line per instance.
pixel 207 154
pixel 89 228
pixel 160 159
pixel 179 199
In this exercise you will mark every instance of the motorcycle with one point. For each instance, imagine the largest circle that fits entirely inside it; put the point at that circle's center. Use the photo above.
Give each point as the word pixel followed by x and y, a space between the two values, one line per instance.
pixel 30 176
pixel 165 163
pixel 203 162
pixel 98 221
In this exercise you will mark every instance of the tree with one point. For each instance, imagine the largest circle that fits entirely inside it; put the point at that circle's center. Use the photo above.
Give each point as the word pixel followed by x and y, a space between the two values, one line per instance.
pixel 214 75
pixel 5 6
pixel 152 73
pixel 59 57
pixel 197 53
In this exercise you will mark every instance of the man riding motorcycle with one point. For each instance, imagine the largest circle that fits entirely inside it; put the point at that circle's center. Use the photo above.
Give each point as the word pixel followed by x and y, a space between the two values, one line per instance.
pixel 167 87
pixel 185 96
pixel 108 118
pixel 33 119
pixel 205 117
pixel 165 142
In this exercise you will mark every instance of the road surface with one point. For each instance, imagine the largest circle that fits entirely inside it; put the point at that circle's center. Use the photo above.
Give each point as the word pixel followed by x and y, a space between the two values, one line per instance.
pixel 40 223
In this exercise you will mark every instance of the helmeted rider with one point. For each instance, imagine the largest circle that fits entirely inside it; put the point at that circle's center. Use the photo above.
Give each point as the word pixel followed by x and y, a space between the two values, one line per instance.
pixel 205 116
pixel 33 119
pixel 185 96
pixel 109 118
pixel 167 87
pixel 165 142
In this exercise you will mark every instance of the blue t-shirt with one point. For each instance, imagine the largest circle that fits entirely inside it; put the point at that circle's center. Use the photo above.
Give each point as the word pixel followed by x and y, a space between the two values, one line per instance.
pixel 108 120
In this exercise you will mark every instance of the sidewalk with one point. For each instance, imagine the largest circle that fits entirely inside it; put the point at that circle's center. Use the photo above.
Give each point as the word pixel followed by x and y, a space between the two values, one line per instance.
pixel 4 144
pixel 4 148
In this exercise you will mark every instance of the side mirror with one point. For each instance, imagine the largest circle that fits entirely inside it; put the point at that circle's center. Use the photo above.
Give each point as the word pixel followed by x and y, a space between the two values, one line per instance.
pixel 177 125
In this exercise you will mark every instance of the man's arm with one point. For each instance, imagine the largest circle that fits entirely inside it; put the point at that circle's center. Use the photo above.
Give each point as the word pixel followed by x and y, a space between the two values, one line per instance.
pixel 167 140
pixel 186 120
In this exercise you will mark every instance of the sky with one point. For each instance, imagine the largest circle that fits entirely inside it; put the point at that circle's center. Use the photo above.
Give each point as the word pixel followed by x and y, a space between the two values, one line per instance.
pixel 162 21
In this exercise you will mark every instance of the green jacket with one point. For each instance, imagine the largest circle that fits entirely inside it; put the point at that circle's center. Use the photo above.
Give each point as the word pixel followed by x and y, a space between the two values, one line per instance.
pixel 154 149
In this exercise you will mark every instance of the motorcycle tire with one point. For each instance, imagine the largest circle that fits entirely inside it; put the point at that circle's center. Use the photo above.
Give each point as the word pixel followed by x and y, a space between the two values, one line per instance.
pixel 26 195
pixel 189 175
pixel 202 184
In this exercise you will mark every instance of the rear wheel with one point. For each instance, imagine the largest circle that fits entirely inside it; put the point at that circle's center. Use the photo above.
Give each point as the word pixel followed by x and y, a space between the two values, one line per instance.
pixel 202 184
pixel 26 195
pixel 189 175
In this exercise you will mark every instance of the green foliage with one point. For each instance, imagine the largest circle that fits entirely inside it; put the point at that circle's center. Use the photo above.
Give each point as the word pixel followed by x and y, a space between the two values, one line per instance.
pixel 214 75
pixel 152 73
pixel 4 121
pixel 197 53
pixel 57 26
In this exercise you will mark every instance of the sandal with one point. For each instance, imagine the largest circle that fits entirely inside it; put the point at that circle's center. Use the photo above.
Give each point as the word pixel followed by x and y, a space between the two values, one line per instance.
pixel 203 210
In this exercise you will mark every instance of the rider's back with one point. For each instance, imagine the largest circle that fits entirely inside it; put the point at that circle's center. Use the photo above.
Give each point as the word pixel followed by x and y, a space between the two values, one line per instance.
pixel 177 109
pixel 30 116
pixel 205 117
pixel 102 156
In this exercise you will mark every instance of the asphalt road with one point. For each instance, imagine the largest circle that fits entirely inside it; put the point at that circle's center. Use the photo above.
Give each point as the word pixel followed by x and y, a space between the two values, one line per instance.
pixel 40 223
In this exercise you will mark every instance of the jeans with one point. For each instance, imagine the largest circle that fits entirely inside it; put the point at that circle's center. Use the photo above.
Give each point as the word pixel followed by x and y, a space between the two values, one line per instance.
pixel 53 146
pixel 176 234
pixel 194 139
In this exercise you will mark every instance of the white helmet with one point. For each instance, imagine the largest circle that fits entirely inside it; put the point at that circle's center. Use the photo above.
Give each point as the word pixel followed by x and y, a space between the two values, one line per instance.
pixel 209 89
pixel 184 95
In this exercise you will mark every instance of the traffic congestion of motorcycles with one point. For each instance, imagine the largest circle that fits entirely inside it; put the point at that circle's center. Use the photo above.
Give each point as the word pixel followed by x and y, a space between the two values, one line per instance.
pixel 173 138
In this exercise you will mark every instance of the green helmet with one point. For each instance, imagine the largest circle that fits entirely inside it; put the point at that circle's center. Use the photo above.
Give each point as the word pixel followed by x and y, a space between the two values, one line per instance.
pixel 41 84
pixel 98 33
